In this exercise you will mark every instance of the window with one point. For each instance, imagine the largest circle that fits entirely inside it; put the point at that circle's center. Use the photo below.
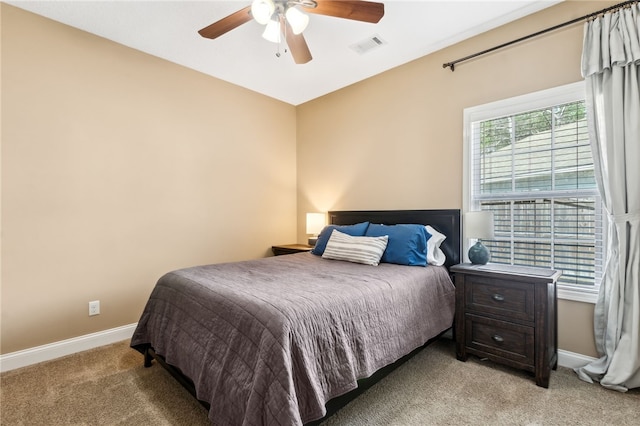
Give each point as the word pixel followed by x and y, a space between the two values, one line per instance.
pixel 528 160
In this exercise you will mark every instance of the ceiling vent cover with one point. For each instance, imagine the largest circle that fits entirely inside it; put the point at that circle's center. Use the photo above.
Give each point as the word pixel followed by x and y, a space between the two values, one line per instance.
pixel 367 45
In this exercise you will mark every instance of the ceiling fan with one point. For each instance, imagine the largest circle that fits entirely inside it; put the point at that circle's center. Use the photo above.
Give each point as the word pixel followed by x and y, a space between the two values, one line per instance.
pixel 285 18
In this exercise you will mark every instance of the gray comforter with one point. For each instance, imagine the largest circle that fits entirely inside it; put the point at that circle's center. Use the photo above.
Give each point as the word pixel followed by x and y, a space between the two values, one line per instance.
pixel 270 341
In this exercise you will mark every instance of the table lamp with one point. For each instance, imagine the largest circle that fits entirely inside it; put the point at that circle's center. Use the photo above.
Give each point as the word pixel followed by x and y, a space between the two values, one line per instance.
pixel 479 225
pixel 315 224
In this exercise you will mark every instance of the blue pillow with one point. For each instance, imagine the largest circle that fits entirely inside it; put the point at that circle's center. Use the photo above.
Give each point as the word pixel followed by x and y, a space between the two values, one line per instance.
pixel 356 230
pixel 407 243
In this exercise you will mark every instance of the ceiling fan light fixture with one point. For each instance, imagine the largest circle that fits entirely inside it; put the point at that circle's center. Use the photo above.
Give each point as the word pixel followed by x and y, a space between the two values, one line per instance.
pixel 272 31
pixel 262 10
pixel 297 20
pixel 285 24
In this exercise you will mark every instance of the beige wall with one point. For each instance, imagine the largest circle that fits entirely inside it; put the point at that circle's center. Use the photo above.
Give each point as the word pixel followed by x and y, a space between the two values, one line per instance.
pixel 395 140
pixel 117 167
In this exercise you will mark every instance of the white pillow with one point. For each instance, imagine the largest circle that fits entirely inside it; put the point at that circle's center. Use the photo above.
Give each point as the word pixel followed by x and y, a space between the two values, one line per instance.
pixel 435 255
pixel 366 250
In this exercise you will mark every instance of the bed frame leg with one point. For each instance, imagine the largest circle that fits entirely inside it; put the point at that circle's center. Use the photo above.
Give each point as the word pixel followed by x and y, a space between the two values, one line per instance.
pixel 147 357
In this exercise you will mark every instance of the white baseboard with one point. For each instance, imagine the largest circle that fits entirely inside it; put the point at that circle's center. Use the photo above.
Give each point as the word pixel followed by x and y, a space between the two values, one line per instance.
pixel 573 360
pixel 26 357
pixel 565 358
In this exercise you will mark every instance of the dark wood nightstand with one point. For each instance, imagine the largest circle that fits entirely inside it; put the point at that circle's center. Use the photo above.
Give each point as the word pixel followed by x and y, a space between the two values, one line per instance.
pixel 290 249
pixel 508 314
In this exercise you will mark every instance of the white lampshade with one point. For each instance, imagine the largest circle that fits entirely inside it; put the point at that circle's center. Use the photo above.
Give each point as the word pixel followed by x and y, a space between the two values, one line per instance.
pixel 479 224
pixel 262 10
pixel 297 20
pixel 315 223
pixel 272 31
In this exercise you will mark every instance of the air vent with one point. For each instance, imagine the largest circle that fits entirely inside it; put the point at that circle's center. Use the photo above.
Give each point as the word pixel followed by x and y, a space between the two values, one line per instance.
pixel 368 44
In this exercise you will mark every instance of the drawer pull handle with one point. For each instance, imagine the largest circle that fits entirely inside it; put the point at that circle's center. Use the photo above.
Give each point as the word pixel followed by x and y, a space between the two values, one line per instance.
pixel 498 297
pixel 497 338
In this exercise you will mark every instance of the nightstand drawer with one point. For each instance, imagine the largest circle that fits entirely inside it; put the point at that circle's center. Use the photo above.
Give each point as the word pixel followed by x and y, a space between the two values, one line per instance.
pixel 508 300
pixel 504 339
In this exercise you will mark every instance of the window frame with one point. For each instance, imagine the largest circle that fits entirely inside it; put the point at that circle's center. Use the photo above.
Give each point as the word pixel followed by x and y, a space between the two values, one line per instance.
pixel 532 101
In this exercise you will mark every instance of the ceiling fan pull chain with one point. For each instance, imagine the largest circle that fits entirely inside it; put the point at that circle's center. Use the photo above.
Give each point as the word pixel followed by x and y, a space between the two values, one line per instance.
pixel 279 43
pixel 284 37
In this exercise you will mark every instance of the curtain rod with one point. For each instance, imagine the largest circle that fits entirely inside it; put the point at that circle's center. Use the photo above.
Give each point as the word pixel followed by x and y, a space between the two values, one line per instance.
pixel 451 65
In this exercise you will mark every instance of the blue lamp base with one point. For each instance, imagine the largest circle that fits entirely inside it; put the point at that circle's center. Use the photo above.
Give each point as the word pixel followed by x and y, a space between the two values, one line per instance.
pixel 479 254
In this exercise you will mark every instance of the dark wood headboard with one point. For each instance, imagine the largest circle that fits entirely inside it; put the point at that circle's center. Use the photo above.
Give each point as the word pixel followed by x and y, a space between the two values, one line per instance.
pixel 445 221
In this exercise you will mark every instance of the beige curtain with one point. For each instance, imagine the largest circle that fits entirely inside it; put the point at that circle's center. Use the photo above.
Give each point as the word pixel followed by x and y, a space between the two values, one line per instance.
pixel 610 62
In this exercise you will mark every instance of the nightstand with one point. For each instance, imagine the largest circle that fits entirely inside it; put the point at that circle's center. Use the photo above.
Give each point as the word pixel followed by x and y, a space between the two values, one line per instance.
pixel 290 249
pixel 508 315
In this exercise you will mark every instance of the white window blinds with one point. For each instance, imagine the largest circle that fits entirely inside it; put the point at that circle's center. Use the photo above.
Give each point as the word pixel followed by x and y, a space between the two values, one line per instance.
pixel 534 170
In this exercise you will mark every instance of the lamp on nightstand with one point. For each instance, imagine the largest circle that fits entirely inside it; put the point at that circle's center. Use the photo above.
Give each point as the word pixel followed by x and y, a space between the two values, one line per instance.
pixel 315 223
pixel 479 225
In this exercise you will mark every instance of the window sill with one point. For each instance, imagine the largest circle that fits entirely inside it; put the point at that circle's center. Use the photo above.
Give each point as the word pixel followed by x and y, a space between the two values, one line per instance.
pixel 577 295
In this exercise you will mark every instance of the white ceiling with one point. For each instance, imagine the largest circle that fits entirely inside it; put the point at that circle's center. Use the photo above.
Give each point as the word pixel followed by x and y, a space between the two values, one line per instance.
pixel 168 29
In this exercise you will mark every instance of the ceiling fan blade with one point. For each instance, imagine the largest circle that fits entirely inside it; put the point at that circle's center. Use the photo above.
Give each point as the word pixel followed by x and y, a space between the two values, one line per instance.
pixel 297 45
pixel 366 11
pixel 227 24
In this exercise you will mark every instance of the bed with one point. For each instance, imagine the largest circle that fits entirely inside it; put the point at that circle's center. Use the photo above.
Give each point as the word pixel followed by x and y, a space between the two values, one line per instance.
pixel 286 340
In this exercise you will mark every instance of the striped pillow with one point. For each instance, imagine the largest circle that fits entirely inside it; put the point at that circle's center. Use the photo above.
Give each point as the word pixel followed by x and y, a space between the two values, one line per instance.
pixel 367 250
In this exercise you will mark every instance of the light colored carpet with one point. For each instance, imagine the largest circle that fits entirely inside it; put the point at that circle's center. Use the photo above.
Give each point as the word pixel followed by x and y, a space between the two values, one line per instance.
pixel 104 386
pixel 109 386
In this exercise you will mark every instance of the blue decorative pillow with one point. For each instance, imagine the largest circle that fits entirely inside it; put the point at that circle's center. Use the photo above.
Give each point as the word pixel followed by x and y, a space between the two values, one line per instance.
pixel 356 230
pixel 407 243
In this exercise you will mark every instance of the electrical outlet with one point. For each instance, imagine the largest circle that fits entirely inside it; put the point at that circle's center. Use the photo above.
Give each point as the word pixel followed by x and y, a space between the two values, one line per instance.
pixel 94 308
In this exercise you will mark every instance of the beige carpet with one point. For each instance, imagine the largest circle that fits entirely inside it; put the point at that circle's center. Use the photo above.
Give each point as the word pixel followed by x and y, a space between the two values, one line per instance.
pixel 109 386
